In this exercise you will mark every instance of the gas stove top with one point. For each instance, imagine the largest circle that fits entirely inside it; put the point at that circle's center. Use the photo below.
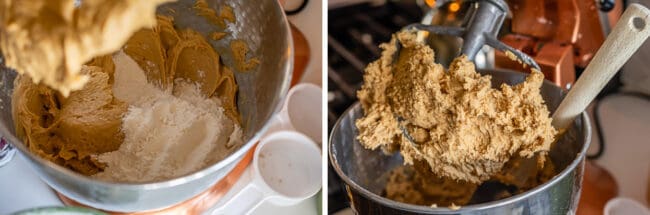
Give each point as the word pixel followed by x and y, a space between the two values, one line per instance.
pixel 354 34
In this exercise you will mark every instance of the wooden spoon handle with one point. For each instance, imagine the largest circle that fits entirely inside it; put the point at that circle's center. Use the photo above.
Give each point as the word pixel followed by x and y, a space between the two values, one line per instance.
pixel 632 29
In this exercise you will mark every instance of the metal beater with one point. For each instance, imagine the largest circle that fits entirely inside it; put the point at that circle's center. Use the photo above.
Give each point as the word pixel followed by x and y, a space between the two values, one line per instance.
pixel 485 20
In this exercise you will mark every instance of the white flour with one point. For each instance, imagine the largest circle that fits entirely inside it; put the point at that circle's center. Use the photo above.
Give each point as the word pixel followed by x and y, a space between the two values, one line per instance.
pixel 166 134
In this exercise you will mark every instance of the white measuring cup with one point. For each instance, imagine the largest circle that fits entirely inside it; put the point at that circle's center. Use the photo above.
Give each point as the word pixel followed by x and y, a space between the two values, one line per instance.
pixel 286 170
pixel 623 206
pixel 301 112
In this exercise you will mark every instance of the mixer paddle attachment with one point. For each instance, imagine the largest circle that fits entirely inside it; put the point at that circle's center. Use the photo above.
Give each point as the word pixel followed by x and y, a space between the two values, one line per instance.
pixel 484 22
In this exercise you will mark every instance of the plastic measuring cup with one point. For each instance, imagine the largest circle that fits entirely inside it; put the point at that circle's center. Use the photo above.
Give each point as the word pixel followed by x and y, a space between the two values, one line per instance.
pixel 301 112
pixel 623 206
pixel 286 170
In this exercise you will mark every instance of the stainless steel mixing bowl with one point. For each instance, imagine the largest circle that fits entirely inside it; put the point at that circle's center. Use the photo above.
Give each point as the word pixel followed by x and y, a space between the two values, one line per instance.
pixel 263 25
pixel 365 171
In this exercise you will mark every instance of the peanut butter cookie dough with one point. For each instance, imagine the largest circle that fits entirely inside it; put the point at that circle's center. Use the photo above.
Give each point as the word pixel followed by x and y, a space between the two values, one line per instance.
pixel 239 51
pixel 94 130
pixel 463 128
pixel 50 40
pixel 226 14
pixel 239 48
pixel 418 185
pixel 69 130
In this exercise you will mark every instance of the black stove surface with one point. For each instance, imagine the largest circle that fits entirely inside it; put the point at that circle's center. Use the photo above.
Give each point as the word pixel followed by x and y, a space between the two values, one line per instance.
pixel 354 35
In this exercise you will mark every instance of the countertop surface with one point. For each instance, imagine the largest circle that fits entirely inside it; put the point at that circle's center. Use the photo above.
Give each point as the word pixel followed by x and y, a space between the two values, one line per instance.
pixel 21 188
pixel 626 128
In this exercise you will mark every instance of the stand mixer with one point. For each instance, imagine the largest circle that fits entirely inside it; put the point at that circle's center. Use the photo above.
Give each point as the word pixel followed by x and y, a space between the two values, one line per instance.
pixel 562 36
pixel 365 171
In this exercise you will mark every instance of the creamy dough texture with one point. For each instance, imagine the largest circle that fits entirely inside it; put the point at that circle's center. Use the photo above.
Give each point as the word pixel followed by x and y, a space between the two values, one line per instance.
pixel 69 130
pixel 50 40
pixel 204 10
pixel 239 51
pixel 239 48
pixel 161 74
pixel 462 127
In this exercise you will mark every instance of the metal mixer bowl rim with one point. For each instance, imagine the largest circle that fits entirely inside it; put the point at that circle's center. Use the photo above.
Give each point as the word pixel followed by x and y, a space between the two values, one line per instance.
pixel 482 206
pixel 185 178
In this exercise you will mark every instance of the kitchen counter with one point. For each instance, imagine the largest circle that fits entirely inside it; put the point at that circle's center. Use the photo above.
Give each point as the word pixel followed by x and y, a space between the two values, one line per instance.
pixel 626 124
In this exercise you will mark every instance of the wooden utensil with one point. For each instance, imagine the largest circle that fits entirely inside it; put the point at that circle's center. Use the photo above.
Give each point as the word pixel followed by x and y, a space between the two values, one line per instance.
pixel 632 29
pixel 625 38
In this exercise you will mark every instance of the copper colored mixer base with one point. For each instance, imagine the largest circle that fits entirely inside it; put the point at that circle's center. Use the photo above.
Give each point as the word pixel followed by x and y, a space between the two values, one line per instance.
pixel 555 60
pixel 598 187
pixel 559 34
pixel 301 54
pixel 197 204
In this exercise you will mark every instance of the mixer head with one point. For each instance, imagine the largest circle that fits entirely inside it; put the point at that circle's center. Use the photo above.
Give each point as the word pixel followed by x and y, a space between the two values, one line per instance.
pixel 485 20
